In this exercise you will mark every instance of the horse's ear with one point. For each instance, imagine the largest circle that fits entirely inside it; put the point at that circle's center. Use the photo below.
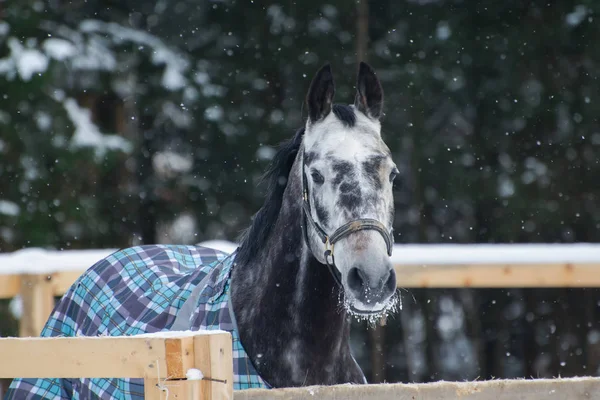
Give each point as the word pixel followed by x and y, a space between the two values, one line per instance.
pixel 320 95
pixel 369 93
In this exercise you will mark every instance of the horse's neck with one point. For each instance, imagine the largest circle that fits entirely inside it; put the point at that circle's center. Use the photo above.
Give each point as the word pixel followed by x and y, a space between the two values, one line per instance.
pixel 288 309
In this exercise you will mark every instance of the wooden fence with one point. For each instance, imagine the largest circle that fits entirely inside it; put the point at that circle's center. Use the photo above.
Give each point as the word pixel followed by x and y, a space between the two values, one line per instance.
pixel 164 361
pixel 38 276
pixel 199 366
pixel 538 389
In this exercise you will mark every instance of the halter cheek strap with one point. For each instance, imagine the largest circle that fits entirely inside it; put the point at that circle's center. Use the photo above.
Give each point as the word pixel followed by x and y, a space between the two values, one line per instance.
pixel 341 232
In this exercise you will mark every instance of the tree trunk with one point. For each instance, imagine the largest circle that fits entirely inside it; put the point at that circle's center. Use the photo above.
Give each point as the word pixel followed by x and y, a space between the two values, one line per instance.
pixel 377 357
pixel 377 334
pixel 362 30
pixel 147 212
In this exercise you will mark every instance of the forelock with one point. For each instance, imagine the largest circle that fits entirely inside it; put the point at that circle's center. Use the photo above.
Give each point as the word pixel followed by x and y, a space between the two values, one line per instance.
pixel 345 114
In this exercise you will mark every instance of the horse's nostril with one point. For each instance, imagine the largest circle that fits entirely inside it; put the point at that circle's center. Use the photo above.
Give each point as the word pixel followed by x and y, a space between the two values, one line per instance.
pixel 356 279
pixel 390 283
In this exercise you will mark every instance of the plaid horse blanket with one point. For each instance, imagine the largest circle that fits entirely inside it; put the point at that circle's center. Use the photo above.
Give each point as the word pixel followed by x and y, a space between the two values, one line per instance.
pixel 143 289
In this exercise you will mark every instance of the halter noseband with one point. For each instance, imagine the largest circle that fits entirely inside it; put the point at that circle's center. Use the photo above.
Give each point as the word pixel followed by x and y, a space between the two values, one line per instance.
pixel 341 232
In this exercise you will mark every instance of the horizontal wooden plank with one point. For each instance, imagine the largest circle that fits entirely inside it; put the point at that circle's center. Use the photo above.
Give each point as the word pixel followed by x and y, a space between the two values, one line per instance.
pixel 501 275
pixel 144 356
pixel 538 389
pixel 524 275
pixel 60 282
pixel 10 285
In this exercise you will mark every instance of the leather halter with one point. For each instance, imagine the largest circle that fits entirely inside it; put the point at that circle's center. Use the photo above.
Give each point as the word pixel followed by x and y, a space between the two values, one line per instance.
pixel 347 229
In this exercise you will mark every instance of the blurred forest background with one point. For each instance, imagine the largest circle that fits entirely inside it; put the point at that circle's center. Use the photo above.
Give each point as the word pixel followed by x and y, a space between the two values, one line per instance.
pixel 128 122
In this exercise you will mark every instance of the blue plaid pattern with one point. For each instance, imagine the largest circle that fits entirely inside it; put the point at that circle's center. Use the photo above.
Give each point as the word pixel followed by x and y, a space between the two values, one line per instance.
pixel 142 289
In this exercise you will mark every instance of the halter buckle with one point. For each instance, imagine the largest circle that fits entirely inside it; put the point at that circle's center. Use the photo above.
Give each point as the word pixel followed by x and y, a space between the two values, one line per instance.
pixel 328 249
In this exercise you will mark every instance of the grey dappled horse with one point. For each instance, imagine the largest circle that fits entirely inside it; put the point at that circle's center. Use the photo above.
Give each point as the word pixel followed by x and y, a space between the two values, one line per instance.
pixel 317 252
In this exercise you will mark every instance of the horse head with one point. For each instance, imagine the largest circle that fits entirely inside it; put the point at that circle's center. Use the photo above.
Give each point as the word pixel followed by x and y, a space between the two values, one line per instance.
pixel 347 175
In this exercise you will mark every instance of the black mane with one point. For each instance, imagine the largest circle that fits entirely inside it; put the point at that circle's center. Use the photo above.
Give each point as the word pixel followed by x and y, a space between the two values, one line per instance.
pixel 255 236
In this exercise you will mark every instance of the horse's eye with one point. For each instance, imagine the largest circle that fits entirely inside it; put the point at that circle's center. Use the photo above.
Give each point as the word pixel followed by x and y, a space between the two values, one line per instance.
pixel 317 177
pixel 394 174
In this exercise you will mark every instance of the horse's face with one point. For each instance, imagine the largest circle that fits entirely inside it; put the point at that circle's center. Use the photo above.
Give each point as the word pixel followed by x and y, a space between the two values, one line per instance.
pixel 349 173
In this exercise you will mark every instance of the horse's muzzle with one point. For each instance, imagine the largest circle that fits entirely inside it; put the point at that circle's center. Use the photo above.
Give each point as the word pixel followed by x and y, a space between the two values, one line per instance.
pixel 371 287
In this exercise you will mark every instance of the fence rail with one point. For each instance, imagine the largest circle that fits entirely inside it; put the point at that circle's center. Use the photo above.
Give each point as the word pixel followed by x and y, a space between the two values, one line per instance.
pixel 37 276
pixel 535 389
pixel 164 361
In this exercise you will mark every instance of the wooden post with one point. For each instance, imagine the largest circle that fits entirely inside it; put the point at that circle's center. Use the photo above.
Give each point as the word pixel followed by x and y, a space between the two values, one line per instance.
pixel 152 390
pixel 176 390
pixel 214 358
pixel 179 356
pixel 37 295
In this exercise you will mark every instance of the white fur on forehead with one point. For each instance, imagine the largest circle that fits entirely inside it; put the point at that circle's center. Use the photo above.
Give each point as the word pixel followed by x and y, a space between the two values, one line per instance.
pixel 329 133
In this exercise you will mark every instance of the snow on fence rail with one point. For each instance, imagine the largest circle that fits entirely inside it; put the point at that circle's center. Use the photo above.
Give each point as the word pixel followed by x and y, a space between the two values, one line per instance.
pixel 190 365
pixel 535 389
pixel 37 275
